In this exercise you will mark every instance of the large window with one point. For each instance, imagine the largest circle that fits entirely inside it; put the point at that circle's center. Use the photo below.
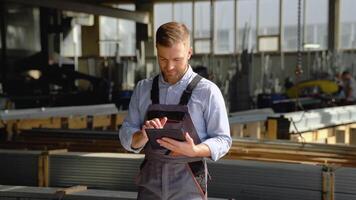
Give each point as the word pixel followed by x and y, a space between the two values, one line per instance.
pixel 166 12
pixel 290 25
pixel 316 25
pixel 268 17
pixel 180 12
pixel 22 34
pixel 118 36
pixel 202 31
pixel 71 43
pixel 246 16
pixel 183 13
pixel 313 26
pixel 163 13
pixel 224 27
pixel 347 24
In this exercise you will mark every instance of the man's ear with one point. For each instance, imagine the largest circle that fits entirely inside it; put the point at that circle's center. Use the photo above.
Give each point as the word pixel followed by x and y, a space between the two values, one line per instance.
pixel 190 52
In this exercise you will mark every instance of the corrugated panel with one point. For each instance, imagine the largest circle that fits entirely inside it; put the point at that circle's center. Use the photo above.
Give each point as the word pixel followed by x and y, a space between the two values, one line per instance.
pixel 252 192
pixel 114 171
pixel 262 180
pixel 345 180
pixel 340 196
pixel 19 167
pixel 37 193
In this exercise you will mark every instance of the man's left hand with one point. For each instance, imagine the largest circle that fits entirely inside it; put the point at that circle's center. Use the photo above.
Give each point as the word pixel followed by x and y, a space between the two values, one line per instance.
pixel 186 148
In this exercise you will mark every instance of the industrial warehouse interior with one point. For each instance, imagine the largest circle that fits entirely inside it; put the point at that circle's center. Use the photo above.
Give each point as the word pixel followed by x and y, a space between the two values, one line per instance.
pixel 286 70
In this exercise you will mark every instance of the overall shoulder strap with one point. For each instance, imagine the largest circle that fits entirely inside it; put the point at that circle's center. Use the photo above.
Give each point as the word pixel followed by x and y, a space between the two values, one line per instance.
pixel 155 91
pixel 188 91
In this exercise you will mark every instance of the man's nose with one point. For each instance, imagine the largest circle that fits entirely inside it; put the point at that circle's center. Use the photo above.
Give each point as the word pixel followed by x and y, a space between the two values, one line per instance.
pixel 170 65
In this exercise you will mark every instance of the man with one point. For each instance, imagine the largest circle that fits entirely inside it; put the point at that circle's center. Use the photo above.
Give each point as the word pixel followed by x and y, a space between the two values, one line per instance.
pixel 176 99
pixel 349 87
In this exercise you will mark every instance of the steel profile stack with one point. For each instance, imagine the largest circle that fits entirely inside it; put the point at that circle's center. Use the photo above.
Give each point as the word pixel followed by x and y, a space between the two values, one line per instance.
pixel 73 140
pixel 36 193
pixel 345 183
pixel 96 170
pixel 238 179
pixel 19 167
pixel 250 180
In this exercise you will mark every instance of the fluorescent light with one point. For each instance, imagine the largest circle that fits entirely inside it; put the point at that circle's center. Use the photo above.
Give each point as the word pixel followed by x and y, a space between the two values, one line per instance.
pixel 34 73
pixel 311 46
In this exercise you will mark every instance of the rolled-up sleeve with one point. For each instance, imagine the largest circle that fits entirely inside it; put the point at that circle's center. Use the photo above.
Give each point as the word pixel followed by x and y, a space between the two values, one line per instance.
pixel 132 122
pixel 218 128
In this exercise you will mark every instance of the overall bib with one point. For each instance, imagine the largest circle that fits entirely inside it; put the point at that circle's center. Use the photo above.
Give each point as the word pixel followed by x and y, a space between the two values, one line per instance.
pixel 167 177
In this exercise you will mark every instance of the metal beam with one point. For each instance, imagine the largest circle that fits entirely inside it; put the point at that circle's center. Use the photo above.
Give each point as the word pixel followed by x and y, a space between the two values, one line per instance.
pixel 334 16
pixel 39 113
pixel 3 21
pixel 250 116
pixel 140 17
pixel 44 32
pixel 311 120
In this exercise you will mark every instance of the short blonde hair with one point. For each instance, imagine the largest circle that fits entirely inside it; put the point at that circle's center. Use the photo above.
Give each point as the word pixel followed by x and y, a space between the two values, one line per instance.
pixel 170 33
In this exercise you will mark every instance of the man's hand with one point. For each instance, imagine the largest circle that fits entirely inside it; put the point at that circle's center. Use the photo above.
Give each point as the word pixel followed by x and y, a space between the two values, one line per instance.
pixel 155 123
pixel 186 148
pixel 139 139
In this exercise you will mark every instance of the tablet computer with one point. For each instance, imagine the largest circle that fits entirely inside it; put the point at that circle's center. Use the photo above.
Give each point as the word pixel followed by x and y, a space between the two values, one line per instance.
pixel 154 134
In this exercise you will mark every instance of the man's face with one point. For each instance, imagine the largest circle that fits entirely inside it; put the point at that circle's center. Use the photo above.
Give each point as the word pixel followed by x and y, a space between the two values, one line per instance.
pixel 346 77
pixel 173 61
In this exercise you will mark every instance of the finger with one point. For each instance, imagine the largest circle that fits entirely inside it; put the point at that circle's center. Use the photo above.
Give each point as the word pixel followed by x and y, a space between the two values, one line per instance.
pixel 148 125
pixel 153 124
pixel 143 130
pixel 173 153
pixel 163 121
pixel 158 122
pixel 188 138
pixel 170 141
pixel 166 144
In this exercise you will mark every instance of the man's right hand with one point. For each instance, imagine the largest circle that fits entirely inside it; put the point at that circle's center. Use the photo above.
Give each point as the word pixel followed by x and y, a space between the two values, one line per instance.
pixel 139 139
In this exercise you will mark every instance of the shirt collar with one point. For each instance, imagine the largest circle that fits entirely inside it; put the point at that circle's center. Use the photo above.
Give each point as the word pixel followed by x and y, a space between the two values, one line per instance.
pixel 185 79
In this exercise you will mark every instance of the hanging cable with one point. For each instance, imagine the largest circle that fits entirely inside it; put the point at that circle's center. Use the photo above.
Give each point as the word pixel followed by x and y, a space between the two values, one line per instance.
pixel 298 69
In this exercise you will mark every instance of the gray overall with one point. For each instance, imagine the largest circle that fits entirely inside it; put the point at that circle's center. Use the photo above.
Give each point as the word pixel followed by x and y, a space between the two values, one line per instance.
pixel 163 176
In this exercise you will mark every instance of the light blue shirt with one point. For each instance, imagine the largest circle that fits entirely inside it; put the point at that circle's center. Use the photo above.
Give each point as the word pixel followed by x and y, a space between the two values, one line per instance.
pixel 206 107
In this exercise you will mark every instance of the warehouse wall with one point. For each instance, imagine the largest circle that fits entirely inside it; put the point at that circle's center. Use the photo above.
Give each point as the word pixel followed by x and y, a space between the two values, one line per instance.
pixel 265 72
